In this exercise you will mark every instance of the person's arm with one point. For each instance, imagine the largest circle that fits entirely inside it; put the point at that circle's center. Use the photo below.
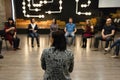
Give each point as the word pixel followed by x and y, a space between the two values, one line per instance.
pixel 71 63
pixel 9 29
pixel 50 28
pixel 103 35
pixel 36 29
pixel 112 33
pixel 43 63
pixel 29 27
pixel 15 33
pixel 75 30
pixel 65 29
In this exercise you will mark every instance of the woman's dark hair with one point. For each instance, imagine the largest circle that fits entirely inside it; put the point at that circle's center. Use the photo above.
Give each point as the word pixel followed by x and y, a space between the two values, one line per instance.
pixel 31 19
pixel 59 41
pixel 55 21
pixel 10 25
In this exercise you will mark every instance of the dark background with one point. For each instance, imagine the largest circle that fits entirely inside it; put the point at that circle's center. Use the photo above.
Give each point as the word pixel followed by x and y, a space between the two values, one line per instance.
pixel 69 7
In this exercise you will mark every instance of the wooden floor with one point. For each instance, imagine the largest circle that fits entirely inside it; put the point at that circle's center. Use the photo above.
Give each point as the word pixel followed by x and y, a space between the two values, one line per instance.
pixel 25 64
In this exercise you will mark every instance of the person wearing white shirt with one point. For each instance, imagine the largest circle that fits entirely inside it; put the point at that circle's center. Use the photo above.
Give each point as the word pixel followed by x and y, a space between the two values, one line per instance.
pixel 32 32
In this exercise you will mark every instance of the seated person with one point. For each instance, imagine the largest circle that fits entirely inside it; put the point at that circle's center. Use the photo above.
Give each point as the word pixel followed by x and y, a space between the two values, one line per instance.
pixel 53 26
pixel 70 30
pixel 32 32
pixel 11 34
pixel 116 52
pixel 107 34
pixel 88 29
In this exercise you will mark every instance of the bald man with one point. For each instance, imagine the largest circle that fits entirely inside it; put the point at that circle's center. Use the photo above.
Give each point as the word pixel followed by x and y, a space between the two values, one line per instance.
pixel 107 34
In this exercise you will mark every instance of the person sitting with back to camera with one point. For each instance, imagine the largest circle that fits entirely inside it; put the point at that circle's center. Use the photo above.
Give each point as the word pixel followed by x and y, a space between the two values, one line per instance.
pixel 57 61
pixel 88 32
pixel 32 32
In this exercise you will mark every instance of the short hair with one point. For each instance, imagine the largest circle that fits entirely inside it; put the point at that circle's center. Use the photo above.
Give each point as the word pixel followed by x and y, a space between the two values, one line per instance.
pixel 8 24
pixel 59 40
pixel 109 19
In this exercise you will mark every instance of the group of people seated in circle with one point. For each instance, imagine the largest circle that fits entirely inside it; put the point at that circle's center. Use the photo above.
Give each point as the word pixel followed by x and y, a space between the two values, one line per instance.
pixel 107 34
pixel 57 61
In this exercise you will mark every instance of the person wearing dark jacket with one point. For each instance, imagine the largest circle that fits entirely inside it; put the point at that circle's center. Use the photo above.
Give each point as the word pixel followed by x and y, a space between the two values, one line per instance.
pixel 32 32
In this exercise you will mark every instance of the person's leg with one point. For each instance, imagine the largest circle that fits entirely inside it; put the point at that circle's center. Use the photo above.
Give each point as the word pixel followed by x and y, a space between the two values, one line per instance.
pixel 1 57
pixel 37 38
pixel 84 42
pixel 14 43
pixel 96 43
pixel 108 39
pixel 73 37
pixel 117 49
pixel 18 43
pixel 32 38
pixel 66 36
pixel 10 39
pixel 115 43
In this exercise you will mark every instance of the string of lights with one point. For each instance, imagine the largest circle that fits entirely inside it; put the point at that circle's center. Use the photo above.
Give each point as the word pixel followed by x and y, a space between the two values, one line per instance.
pixel 83 6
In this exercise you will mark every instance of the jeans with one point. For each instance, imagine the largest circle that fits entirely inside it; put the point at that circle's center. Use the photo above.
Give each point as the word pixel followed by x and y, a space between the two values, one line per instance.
pixel 97 38
pixel 67 34
pixel 34 35
pixel 117 44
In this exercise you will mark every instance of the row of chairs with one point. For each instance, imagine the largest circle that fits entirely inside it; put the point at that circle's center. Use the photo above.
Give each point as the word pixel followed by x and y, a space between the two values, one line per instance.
pixel 74 43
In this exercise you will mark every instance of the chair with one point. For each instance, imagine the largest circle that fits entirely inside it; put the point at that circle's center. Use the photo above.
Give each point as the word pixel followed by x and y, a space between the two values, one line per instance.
pixel 91 40
pixel 28 36
pixel 73 40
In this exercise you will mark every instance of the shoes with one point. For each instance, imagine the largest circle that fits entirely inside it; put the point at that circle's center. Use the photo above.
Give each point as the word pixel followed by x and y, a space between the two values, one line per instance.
pixel 15 49
pixel 38 45
pixel 107 49
pixel 83 46
pixel 18 48
pixel 32 46
pixel 115 56
pixel 1 57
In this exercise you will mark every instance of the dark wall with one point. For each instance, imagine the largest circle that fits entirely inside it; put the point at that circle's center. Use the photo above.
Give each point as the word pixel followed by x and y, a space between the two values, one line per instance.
pixel 69 7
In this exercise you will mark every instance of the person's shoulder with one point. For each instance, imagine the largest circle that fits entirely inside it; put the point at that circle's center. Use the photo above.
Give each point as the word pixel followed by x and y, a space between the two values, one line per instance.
pixel 67 23
pixel 48 49
pixel 69 52
pixel 29 25
pixel 74 24
pixel 113 26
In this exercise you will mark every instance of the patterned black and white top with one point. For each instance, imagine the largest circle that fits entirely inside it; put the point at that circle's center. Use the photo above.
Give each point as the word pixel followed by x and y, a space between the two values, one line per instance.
pixel 57 64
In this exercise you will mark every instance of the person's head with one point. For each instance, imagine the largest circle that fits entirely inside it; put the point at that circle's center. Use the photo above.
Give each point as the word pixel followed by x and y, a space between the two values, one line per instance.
pixel 59 40
pixel 70 20
pixel 54 21
pixel 32 20
pixel 88 22
pixel 10 21
pixel 108 21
